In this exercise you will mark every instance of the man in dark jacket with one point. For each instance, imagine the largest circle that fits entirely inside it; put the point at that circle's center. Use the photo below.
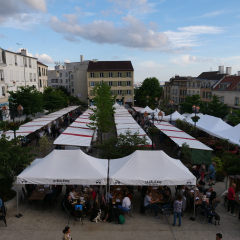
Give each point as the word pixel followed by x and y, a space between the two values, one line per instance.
pixel 205 206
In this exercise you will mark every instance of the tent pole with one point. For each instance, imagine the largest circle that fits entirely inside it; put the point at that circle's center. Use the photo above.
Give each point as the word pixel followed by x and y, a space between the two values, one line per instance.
pixel 194 200
pixel 17 198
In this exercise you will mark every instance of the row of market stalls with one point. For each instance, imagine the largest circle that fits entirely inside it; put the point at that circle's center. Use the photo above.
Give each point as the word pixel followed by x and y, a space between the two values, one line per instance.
pixel 78 133
pixel 125 122
pixel 39 123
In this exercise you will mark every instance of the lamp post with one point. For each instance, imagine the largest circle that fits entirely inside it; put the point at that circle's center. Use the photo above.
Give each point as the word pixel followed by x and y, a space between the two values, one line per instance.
pixel 170 107
pixel 196 110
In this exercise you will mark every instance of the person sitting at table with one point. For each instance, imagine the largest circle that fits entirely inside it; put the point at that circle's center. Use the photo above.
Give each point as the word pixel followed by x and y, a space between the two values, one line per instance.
pixel 208 192
pixel 205 206
pixel 150 204
pixel 73 193
pixel 126 204
pixel 167 200
pixel 69 203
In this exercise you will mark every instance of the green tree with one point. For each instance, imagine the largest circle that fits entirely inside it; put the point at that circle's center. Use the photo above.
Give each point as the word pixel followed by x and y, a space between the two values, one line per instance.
pixel 216 108
pixel 64 90
pixel 190 101
pixel 235 117
pixel 53 100
pixel 187 153
pixel 102 117
pixel 29 98
pixel 150 87
pixel 122 146
pixel 13 159
pixel 44 145
pixel 76 101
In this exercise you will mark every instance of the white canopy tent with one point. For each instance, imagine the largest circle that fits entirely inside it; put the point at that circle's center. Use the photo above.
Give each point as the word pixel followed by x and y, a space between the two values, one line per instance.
pixel 146 109
pixel 66 167
pixel 150 168
pixel 174 116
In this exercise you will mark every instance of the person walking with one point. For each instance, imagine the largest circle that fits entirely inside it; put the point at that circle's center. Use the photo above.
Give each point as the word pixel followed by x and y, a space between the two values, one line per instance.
pixel 66 232
pixel 212 173
pixel 177 209
pixel 231 199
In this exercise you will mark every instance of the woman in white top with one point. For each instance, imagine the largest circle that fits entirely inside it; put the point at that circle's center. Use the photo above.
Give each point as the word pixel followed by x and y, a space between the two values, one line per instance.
pixel 66 233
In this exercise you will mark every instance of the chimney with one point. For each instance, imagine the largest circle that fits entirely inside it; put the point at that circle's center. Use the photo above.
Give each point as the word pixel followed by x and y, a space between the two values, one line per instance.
pixel 238 73
pixel 81 58
pixel 229 70
pixel 24 52
pixel 221 69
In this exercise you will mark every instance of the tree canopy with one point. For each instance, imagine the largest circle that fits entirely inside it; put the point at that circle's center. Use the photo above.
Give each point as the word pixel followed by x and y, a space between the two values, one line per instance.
pixel 53 100
pixel 122 146
pixel 64 90
pixel 102 117
pixel 190 101
pixel 13 158
pixel 216 108
pixel 235 117
pixel 150 87
pixel 29 98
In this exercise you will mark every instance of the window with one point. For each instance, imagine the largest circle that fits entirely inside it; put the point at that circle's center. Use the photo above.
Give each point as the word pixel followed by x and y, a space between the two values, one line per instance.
pixel 128 74
pixel 60 80
pixel 66 81
pixel 173 91
pixel 180 92
pixel 15 57
pixel 111 92
pixel 72 90
pixel 66 74
pixel 72 84
pixel 236 101
pixel 204 84
pixel 101 74
pixel 30 64
pixel 198 84
pixel 110 74
pixel 119 74
pixel 54 80
pixel 92 75
pixel 3 91
pixel 209 84
pixel 203 94
pixel 25 62
pixel 34 77
pixel 92 84
pixel 110 83
pixel 176 99
pixel 193 84
pixel 60 74
pixel 119 83
pixel 119 92
pixel 39 71
pixel 222 99
pixel 129 92
pixel 193 92
pixel 198 92
pixel 30 77
pixel 189 84
pixel 40 82
pixel 71 76
pixel 128 83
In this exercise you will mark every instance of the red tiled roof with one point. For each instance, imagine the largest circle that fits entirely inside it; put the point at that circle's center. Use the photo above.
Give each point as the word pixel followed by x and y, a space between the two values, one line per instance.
pixel 110 66
pixel 41 64
pixel 233 82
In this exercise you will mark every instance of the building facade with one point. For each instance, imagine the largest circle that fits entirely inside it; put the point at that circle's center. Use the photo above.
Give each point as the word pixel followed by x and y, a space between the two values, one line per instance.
pixel 42 76
pixel 117 74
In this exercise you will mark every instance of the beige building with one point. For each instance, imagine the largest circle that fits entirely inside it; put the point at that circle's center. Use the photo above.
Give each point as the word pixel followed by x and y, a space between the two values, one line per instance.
pixel 42 76
pixel 117 74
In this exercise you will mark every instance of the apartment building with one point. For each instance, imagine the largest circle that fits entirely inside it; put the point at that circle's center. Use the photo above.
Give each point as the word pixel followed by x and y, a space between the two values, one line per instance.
pixel 42 76
pixel 117 74
pixel 73 76
pixel 228 89
pixel 16 69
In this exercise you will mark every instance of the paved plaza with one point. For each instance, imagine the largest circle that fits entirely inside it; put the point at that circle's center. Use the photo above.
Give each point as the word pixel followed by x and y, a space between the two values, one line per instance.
pixel 37 225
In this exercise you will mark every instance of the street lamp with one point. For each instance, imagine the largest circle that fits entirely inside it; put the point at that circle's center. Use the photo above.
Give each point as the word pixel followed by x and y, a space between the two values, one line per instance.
pixel 196 110
pixel 171 107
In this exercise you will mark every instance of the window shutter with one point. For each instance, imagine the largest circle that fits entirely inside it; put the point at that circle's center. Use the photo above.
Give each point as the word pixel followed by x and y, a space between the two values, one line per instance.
pixel 114 83
pixel 115 74
pixel 124 83
pixel 115 92
pixel 124 74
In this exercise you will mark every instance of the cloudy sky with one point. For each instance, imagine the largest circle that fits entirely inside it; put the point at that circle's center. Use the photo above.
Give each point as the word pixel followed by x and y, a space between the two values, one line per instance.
pixel 161 37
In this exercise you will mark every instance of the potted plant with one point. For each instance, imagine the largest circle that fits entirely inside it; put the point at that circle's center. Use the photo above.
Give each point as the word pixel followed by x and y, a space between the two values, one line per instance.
pixel 195 118
pixel 219 169
pixel 153 131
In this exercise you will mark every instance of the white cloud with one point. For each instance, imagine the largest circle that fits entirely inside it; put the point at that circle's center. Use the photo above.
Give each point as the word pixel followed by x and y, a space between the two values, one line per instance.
pixel 133 33
pixel 11 9
pixel 109 12
pixel 44 58
pixel 186 59
pixel 188 36
pixel 214 13
pixel 67 61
